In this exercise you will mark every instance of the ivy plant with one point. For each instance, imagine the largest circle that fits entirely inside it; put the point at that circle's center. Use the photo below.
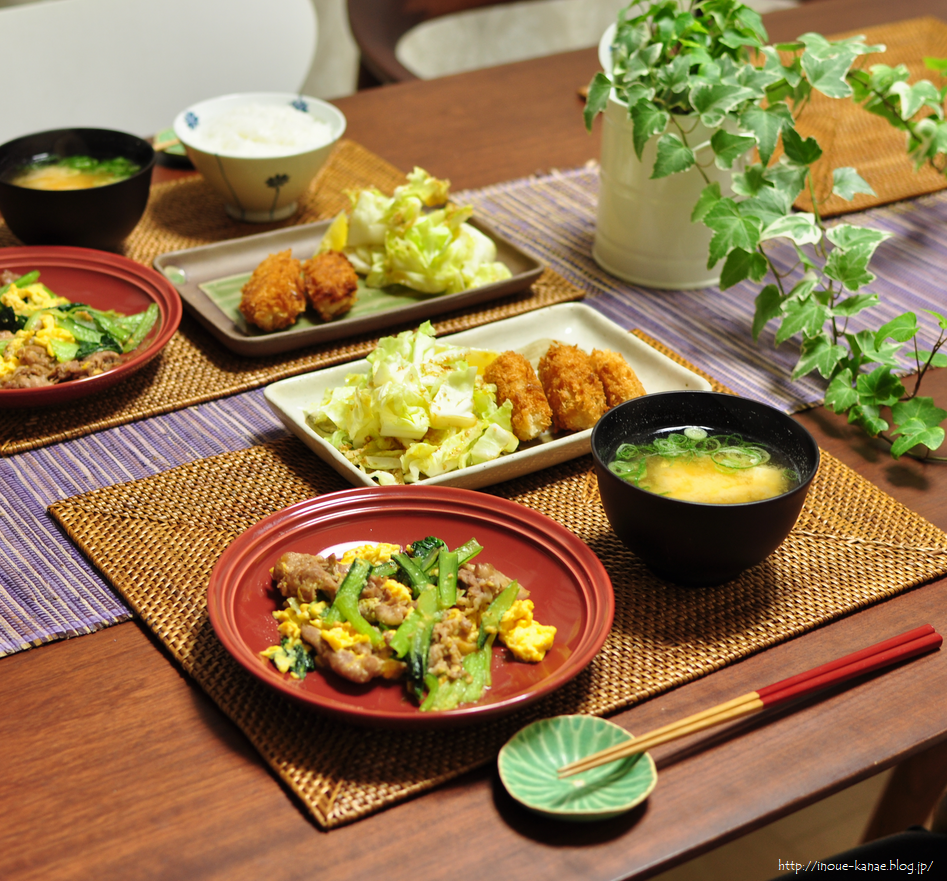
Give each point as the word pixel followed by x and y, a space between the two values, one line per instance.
pixel 709 61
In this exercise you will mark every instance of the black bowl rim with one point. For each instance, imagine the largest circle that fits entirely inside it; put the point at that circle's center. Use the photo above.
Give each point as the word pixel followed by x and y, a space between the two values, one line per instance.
pixel 802 486
pixel 8 148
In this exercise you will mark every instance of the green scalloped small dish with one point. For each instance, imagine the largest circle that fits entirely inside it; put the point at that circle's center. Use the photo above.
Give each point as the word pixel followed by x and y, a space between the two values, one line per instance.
pixel 529 760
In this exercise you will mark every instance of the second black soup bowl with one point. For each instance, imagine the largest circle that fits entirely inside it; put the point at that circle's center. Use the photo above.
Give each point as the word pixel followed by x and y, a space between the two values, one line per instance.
pixel 695 543
pixel 99 217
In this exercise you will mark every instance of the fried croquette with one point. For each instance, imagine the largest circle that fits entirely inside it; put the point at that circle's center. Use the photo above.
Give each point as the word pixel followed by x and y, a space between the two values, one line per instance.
pixel 331 284
pixel 619 381
pixel 572 387
pixel 516 381
pixel 273 299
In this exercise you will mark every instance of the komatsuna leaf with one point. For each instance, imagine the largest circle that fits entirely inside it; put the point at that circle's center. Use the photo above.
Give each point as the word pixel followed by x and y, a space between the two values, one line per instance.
pixel 769 305
pixel 728 147
pixel 818 353
pixel 850 267
pixel 840 393
pixel 880 388
pixel 805 316
pixel 742 264
pixel 673 156
pixel 731 229
pixel 846 182
pixel 599 90
pixel 766 124
pixel 647 121
pixel 800 227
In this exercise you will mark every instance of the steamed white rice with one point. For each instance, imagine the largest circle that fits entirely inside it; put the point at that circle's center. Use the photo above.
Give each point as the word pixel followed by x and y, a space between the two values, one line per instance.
pixel 258 130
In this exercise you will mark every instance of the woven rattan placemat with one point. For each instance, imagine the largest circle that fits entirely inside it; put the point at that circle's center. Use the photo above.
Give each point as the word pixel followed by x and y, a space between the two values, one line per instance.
pixel 194 367
pixel 156 540
pixel 850 136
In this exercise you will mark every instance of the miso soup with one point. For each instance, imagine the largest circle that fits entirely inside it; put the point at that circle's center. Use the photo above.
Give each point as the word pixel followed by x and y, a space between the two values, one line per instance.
pixel 694 465
pixel 72 173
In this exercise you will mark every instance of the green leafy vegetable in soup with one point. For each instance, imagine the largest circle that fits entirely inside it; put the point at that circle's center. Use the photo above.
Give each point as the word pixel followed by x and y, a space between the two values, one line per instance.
pixel 691 465
pixel 73 173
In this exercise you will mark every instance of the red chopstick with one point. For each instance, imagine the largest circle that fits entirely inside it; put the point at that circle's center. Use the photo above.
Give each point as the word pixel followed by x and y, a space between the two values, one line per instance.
pixel 898 648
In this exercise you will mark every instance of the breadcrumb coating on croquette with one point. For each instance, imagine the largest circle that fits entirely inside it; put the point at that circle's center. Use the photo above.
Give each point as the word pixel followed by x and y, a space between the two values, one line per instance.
pixel 572 387
pixel 330 283
pixel 272 298
pixel 516 381
pixel 619 381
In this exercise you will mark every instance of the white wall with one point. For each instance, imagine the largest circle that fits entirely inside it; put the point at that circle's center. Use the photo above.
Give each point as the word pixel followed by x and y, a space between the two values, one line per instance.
pixel 334 72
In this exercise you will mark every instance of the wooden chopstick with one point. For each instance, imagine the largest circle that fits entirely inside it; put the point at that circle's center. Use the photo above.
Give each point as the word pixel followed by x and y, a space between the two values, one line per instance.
pixel 889 651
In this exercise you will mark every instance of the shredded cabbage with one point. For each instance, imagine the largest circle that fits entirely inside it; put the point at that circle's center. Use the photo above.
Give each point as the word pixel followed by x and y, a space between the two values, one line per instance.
pixel 420 410
pixel 415 238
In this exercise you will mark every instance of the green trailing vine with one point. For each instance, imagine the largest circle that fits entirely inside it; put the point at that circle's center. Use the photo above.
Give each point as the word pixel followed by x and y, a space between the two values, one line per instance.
pixel 710 62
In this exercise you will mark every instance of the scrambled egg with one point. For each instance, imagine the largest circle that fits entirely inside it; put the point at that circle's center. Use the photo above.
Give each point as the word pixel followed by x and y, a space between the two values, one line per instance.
pixel 527 639
pixel 25 302
pixel 375 554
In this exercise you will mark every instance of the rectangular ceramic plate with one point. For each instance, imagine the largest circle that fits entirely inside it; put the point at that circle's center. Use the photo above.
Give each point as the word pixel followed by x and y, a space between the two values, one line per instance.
pixel 530 333
pixel 209 279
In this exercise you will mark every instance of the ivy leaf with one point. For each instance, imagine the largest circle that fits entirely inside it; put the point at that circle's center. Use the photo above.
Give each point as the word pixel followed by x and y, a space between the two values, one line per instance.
pixel 938 64
pixel 742 264
pixel 709 196
pixel 847 182
pixel 806 316
pixel 769 305
pixel 728 148
pixel 787 177
pixel 918 422
pixel 714 101
pixel 868 417
pixel 901 329
pixel 818 353
pixel 673 156
pixel 879 388
pixel 847 235
pixel 769 204
pixel 599 90
pixel 850 266
pixel 749 182
pixel 853 305
pixel 840 395
pixel 675 77
pixel 936 359
pixel 731 230
pixel 875 353
pixel 801 228
pixel 766 124
pixel 941 319
pixel 913 98
pixel 647 120
pixel 802 152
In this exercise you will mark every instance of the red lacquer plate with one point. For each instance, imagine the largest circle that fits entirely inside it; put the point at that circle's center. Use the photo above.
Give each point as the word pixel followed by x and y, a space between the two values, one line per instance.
pixel 567 582
pixel 105 281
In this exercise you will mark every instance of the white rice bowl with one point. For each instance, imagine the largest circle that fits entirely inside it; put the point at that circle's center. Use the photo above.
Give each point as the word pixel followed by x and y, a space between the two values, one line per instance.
pixel 259 150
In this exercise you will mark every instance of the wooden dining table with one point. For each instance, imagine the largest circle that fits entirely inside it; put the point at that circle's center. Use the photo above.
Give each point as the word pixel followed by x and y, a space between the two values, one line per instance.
pixel 114 764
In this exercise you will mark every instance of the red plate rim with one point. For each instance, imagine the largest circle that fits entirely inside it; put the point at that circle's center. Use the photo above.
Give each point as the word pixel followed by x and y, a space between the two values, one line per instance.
pixel 149 282
pixel 233 572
